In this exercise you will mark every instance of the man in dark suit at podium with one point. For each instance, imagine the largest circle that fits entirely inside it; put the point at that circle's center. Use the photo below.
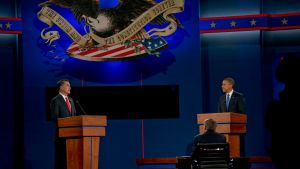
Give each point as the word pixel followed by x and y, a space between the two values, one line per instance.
pixel 231 101
pixel 62 105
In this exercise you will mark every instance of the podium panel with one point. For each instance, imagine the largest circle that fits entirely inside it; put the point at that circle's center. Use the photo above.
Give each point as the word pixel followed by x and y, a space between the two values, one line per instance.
pixel 232 125
pixel 82 135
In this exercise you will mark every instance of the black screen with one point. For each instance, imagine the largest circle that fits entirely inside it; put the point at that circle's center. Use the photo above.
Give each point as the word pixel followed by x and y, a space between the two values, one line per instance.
pixel 125 102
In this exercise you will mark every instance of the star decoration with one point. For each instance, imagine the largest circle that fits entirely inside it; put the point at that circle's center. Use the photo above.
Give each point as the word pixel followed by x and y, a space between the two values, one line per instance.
pixel 153 45
pixel 8 25
pixel 232 23
pixel 0 25
pixel 253 22
pixel 213 25
pixel 284 21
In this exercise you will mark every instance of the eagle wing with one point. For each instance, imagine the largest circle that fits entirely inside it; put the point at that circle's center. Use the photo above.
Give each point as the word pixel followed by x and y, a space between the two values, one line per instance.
pixel 131 9
pixel 79 8
pixel 89 8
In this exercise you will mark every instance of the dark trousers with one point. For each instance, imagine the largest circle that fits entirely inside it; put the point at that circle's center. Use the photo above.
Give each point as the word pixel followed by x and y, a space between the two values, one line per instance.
pixel 60 154
pixel 242 146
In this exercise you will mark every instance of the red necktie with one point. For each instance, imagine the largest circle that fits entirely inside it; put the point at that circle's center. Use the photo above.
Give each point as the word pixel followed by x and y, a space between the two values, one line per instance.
pixel 68 104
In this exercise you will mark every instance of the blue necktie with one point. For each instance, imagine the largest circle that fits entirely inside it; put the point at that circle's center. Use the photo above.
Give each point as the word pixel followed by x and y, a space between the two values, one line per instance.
pixel 227 102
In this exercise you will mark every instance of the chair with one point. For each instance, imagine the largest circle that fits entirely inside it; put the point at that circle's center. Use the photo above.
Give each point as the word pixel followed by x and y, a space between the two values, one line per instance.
pixel 211 156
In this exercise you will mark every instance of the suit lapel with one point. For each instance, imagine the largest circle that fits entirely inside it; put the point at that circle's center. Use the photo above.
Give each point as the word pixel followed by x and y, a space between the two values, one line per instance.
pixel 63 102
pixel 224 103
pixel 232 98
pixel 72 106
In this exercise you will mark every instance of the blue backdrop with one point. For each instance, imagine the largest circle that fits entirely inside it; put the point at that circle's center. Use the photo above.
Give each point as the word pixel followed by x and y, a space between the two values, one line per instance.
pixel 174 66
pixel 197 63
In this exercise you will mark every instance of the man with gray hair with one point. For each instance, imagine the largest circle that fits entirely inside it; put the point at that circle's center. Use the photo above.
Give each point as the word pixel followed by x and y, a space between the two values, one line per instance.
pixel 210 135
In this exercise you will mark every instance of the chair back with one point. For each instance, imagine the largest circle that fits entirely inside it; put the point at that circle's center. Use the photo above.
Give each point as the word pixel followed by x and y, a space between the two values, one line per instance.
pixel 211 156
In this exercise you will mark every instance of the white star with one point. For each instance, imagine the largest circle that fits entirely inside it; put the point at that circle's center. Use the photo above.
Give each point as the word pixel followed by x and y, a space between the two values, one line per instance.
pixel 253 22
pixel 8 25
pixel 232 23
pixel 284 21
pixel 213 25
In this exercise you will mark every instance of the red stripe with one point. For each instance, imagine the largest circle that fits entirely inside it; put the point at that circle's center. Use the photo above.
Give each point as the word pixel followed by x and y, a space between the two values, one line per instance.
pixel 124 54
pixel 127 53
pixel 10 32
pixel 250 16
pixel 88 51
pixel 234 17
pixel 73 49
pixel 143 140
pixel 286 14
pixel 113 51
pixel 285 27
pixel 234 30
pixel 109 52
pixel 10 19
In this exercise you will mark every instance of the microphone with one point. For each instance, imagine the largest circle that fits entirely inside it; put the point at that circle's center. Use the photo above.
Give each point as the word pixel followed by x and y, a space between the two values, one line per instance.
pixel 80 107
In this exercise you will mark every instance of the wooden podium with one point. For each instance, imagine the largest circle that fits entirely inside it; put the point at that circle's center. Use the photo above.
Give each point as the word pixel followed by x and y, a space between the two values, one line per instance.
pixel 232 125
pixel 82 135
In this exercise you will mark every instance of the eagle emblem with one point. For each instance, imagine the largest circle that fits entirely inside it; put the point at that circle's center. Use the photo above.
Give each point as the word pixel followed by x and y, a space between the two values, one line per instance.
pixel 113 33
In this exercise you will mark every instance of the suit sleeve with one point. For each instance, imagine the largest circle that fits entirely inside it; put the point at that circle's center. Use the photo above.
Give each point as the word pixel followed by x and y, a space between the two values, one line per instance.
pixel 195 144
pixel 54 109
pixel 219 105
pixel 242 104
pixel 224 139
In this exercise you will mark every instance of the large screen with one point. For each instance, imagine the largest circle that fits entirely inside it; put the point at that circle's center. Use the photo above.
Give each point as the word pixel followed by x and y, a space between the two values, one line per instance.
pixel 125 102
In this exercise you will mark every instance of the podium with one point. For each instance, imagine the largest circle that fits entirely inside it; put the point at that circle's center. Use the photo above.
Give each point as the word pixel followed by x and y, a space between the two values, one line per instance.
pixel 232 125
pixel 82 135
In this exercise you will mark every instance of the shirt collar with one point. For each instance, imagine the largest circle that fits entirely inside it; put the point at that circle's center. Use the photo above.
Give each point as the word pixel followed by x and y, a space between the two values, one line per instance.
pixel 230 93
pixel 64 96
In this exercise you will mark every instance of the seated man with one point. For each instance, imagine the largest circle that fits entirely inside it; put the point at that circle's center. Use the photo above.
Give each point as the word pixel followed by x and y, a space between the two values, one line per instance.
pixel 211 139
pixel 210 135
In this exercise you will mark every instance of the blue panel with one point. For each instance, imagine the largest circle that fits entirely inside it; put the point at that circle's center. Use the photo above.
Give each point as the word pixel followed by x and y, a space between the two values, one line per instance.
pixel 108 3
pixel 285 21
pixel 276 7
pixel 212 8
pixel 6 8
pixel 44 65
pixel 157 166
pixel 7 73
pixel 234 54
pixel 239 23
pixel 262 165
pixel 10 25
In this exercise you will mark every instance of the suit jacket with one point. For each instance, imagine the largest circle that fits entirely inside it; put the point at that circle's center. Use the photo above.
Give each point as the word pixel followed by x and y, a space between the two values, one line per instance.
pixel 59 108
pixel 237 103
pixel 208 137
